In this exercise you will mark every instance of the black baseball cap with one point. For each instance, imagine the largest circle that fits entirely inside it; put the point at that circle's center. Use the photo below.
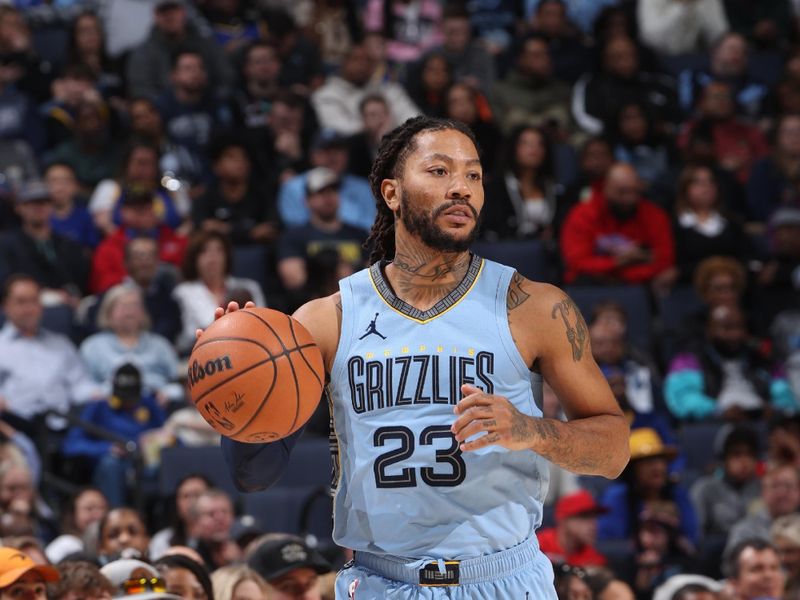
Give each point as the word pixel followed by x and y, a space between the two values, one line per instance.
pixel 276 557
pixel 127 383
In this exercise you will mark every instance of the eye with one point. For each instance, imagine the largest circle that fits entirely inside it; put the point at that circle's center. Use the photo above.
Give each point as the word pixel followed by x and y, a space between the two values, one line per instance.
pixel 438 171
pixel 475 176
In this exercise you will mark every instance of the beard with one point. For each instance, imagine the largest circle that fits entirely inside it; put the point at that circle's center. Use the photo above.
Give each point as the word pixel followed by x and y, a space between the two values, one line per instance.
pixel 423 225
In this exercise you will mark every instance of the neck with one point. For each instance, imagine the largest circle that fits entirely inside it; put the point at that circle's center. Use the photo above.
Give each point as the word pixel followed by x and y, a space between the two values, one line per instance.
pixel 262 89
pixel 187 97
pixel 703 213
pixel 63 210
pixel 326 225
pixel 128 338
pixel 421 276
pixel 569 546
pixel 215 283
pixel 233 189
pixel 38 231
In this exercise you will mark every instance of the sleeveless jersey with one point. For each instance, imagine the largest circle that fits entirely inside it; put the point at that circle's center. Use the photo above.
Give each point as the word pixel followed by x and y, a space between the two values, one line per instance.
pixel 403 487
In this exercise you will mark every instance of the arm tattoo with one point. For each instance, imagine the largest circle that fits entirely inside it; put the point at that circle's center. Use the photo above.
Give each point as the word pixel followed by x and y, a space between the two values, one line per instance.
pixel 577 332
pixel 516 295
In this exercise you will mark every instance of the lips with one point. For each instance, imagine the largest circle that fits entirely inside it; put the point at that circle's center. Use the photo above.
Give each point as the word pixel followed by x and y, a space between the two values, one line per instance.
pixel 458 211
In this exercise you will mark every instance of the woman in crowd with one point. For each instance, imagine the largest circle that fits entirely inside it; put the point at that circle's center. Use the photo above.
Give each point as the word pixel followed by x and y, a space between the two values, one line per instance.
pixel 22 511
pixel 208 283
pixel 87 46
pixel 185 577
pixel 177 534
pixel 87 506
pixel 464 103
pixel 775 180
pixel 125 337
pixel 428 84
pixel 239 582
pixel 524 195
pixel 123 534
pixel 701 228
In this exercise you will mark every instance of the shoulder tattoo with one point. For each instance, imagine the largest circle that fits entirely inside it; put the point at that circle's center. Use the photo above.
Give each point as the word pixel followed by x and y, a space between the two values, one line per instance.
pixel 577 332
pixel 516 294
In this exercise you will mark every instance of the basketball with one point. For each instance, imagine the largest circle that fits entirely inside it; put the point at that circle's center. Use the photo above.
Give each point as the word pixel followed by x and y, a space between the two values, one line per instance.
pixel 256 375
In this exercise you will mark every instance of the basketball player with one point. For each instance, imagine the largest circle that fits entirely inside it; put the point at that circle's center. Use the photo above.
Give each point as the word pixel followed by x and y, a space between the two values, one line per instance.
pixel 436 359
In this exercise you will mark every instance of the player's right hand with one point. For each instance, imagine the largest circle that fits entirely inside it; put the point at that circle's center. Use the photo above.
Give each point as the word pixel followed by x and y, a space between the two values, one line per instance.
pixel 219 312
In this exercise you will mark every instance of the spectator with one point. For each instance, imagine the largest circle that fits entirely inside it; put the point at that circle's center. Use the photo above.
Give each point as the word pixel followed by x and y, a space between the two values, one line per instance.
pixel 723 498
pixel 138 579
pixel 260 84
pixel 785 536
pixel 427 83
pixel 25 514
pixel 605 586
pixel 87 47
pixel 728 63
pixel 140 171
pixel 74 86
pixel 177 534
pixel 85 507
pixel 688 587
pixel 19 164
pixel 357 206
pixel 91 151
pixel 378 122
pixel 571 583
pixel 123 534
pixel 238 582
pixel 58 264
pixel 185 577
pixel 232 24
pixel 673 27
pixel 210 521
pixel 70 217
pixel 28 72
pixel 207 284
pixel 80 579
pixel 754 571
pixel 20 577
pixel 783 441
pixel 290 127
pixel 126 337
pixel 27 389
pixel 289 566
pixel 621 79
pixel 150 68
pixel 337 101
pixel 138 218
pixel 128 412
pixel 186 165
pixel 725 377
pixel 530 94
pixel 661 549
pixel 702 228
pixel 767 23
pixel 187 107
pixel 471 62
pixel 617 236
pixel 781 273
pixel 780 496
pixel 20 119
pixel 524 195
pixel 466 104
pixel 573 539
pixel 595 159
pixel 301 69
pixel 645 481
pixel 336 27
pixel 571 57
pixel 772 180
pixel 737 145
pixel 235 205
pixel 410 30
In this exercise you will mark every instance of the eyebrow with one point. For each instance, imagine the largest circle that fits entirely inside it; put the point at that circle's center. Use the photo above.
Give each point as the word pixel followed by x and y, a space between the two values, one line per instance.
pixel 446 158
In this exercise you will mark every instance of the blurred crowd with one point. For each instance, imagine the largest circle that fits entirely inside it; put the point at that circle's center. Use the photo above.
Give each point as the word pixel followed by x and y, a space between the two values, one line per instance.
pixel 159 158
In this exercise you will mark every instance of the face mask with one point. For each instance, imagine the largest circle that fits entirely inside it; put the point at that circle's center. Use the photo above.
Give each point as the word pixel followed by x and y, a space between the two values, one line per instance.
pixel 622 212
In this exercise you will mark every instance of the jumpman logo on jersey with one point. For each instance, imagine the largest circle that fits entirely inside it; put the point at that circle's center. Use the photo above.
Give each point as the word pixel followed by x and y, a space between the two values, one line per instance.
pixel 371 328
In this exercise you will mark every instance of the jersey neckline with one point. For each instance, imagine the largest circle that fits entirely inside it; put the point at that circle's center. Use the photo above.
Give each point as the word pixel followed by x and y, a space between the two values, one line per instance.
pixel 458 293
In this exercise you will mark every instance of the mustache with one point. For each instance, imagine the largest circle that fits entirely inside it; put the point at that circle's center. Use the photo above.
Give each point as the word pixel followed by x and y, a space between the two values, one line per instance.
pixel 440 209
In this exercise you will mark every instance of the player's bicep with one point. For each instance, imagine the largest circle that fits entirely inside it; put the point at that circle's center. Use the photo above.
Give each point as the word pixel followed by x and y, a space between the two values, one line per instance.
pixel 323 317
pixel 566 363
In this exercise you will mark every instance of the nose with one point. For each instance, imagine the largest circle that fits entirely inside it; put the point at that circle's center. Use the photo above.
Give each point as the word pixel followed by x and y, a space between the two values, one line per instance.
pixel 460 188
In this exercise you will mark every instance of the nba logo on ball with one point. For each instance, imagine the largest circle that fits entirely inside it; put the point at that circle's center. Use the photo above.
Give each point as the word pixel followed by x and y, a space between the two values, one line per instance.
pixel 256 375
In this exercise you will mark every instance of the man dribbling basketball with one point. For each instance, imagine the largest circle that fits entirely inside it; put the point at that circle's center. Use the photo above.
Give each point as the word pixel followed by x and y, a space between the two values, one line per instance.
pixel 441 446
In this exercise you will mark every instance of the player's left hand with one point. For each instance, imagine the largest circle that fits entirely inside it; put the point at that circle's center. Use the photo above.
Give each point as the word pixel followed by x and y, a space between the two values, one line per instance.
pixel 479 412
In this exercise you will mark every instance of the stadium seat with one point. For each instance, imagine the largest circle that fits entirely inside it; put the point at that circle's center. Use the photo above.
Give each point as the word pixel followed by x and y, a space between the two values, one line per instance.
pixel 309 464
pixel 673 308
pixel 526 256
pixel 298 510
pixel 59 319
pixel 696 443
pixel 634 299
pixel 178 462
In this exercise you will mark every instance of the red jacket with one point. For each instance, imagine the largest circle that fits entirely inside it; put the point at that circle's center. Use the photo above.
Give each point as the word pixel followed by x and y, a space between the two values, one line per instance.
pixel 590 226
pixel 585 557
pixel 108 261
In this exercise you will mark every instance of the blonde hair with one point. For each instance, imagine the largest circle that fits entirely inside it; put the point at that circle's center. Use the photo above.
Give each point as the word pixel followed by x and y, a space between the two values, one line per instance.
pixel 111 298
pixel 225 579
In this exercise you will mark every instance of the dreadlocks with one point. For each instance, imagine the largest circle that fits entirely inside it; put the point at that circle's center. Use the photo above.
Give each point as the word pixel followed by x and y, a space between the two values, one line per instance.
pixel 392 153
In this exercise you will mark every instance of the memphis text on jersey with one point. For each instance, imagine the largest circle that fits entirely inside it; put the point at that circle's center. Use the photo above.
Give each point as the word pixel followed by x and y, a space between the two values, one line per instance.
pixel 416 378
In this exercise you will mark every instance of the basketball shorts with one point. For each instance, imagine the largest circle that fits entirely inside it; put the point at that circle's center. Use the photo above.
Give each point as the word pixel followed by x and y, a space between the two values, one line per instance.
pixel 519 573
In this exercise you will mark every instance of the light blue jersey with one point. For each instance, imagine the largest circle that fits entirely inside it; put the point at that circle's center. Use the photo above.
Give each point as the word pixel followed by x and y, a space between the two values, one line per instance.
pixel 404 488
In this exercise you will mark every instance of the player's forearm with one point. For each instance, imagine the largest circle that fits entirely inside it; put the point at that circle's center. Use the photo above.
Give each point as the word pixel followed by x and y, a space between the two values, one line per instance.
pixel 592 446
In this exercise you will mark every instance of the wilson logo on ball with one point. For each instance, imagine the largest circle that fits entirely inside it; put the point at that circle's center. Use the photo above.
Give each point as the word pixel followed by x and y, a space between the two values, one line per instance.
pixel 198 372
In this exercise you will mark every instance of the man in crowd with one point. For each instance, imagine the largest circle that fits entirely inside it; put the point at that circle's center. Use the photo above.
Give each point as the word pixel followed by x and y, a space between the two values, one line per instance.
pixel 290 566
pixel 211 518
pixel 573 539
pixel 754 571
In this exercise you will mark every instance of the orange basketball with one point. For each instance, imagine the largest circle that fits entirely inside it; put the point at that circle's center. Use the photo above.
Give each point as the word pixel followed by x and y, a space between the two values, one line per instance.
pixel 256 375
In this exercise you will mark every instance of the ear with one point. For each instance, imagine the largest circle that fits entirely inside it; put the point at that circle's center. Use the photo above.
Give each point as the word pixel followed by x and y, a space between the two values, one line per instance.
pixel 390 190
